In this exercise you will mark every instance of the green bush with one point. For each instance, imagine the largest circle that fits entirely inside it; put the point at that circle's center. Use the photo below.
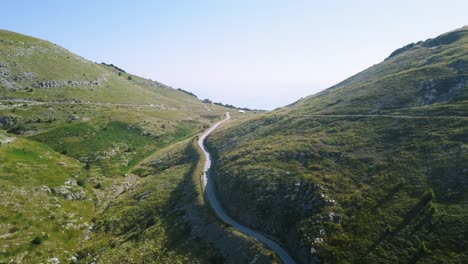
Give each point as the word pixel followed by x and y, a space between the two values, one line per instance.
pixel 36 241
pixel 80 182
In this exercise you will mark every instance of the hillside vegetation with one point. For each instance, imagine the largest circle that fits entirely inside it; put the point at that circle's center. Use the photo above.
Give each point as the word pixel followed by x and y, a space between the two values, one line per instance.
pixel 428 77
pixel 371 170
pixel 97 164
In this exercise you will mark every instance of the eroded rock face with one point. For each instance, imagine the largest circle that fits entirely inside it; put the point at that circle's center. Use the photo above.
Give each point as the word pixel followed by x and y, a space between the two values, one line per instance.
pixel 4 71
pixel 7 122
pixel 61 83
pixel 6 78
pixel 441 90
pixel 12 81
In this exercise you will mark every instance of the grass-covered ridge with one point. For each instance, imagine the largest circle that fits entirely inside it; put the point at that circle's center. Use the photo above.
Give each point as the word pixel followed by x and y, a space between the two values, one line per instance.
pixel 35 69
pixel 78 177
pixel 423 79
pixel 372 170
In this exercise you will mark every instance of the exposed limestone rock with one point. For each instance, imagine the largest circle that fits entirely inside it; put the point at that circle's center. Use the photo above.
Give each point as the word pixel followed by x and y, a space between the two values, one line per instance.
pixel 53 260
pixel 9 80
pixel 45 189
pixel 334 217
pixel 70 190
pixel 5 83
pixel 26 76
pixel 6 140
pixel 4 71
pixel 61 83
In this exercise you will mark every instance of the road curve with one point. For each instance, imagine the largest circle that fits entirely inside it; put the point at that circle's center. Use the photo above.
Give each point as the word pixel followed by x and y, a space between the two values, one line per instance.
pixel 218 209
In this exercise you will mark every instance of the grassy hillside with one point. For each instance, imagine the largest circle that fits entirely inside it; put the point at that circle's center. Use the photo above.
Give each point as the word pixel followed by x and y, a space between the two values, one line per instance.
pixel 75 137
pixel 44 210
pixel 163 219
pixel 427 77
pixel 35 69
pixel 372 170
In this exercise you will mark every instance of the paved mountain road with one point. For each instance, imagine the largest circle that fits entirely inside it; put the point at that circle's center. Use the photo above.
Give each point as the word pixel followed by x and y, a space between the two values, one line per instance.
pixel 218 209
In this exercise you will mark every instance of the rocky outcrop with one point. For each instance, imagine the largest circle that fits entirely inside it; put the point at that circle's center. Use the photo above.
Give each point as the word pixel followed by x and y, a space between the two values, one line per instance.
pixel 6 79
pixel 403 49
pixel 70 190
pixel 61 83
pixel 5 83
pixel 158 84
pixel 4 71
pixel 6 140
pixel 7 122
pixel 441 90
pixel 445 39
pixel 14 81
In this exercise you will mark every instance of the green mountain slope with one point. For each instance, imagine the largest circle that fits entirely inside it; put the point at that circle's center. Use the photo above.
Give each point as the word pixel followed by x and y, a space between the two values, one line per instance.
pixel 31 68
pixel 428 77
pixel 371 170
pixel 93 161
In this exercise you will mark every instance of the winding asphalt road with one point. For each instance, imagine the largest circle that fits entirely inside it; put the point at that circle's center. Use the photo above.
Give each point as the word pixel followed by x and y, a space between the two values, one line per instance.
pixel 218 209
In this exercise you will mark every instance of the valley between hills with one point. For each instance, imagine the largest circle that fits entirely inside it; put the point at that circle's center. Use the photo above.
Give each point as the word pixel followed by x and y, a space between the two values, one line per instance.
pixel 98 165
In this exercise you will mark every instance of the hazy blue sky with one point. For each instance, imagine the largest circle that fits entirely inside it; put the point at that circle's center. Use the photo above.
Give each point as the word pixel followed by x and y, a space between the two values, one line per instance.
pixel 254 53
